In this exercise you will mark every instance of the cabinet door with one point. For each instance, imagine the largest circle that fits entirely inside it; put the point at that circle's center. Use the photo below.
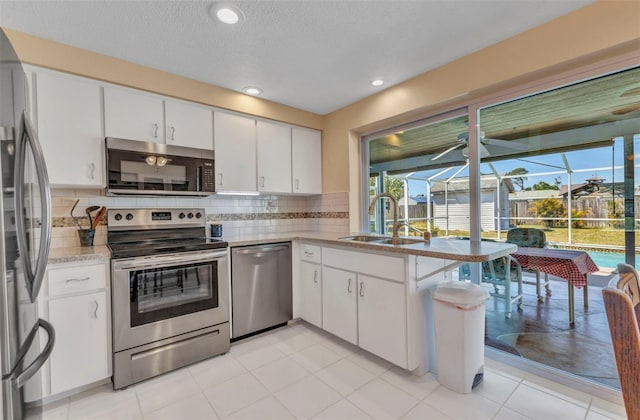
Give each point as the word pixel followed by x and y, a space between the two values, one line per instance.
pixel 133 115
pixel 80 355
pixel 274 157
pixel 235 148
pixel 339 307
pixel 306 161
pixel 70 129
pixel 188 125
pixel 382 319
pixel 311 293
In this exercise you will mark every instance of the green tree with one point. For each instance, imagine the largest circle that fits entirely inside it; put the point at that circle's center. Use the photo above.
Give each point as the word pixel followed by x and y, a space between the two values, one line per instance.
pixel 393 186
pixel 542 185
pixel 519 180
pixel 549 207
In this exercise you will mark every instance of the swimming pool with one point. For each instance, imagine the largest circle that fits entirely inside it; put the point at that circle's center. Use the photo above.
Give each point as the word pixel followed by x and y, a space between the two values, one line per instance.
pixel 609 259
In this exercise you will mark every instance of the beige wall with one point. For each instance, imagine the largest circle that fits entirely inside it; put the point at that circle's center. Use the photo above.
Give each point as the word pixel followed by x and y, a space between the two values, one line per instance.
pixel 50 54
pixel 601 29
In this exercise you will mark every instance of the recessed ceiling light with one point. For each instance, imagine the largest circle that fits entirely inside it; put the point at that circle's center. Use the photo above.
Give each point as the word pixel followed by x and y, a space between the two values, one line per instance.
pixel 252 90
pixel 227 15
pixel 377 82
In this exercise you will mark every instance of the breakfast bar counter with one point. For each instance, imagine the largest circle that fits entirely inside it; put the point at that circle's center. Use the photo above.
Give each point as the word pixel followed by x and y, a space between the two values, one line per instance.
pixel 450 249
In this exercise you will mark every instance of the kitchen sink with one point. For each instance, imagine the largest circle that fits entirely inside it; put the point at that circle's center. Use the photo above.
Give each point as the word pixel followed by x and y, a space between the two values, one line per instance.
pixel 384 240
pixel 362 238
pixel 398 241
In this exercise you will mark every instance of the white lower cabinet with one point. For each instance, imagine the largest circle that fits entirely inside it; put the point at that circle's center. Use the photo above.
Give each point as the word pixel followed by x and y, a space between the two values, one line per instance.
pixel 81 352
pixel 382 319
pixel 311 293
pixel 339 304
pixel 75 300
pixel 363 300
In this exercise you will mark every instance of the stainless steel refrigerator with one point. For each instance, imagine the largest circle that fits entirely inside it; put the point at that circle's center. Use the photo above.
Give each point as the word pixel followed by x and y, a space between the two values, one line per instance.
pixel 26 341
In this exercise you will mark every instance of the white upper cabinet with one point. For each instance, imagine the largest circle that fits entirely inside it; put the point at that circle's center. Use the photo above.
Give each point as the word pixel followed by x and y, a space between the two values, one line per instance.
pixel 133 115
pixel 306 163
pixel 235 148
pixel 188 125
pixel 69 121
pixel 274 157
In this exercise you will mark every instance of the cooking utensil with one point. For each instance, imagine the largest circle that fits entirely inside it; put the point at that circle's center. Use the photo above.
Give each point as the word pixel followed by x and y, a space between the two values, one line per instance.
pixel 75 219
pixel 99 216
pixel 88 210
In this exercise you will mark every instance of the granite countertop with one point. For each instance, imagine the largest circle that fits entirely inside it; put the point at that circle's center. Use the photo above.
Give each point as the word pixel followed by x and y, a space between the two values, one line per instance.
pixel 76 254
pixel 451 249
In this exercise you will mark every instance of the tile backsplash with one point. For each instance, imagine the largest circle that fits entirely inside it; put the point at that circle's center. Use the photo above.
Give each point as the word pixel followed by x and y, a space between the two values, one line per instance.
pixel 238 214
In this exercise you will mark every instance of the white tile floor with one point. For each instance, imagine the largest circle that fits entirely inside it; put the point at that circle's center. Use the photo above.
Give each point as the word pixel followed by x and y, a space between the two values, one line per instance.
pixel 300 372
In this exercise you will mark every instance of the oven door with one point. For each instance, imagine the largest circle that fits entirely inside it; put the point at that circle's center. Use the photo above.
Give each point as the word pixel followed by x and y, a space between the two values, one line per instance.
pixel 167 295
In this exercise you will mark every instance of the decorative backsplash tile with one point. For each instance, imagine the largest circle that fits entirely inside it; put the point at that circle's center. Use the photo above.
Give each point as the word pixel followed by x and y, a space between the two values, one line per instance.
pixel 237 214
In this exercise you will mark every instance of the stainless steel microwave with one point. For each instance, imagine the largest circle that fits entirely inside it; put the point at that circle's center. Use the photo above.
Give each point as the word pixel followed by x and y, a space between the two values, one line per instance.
pixel 143 168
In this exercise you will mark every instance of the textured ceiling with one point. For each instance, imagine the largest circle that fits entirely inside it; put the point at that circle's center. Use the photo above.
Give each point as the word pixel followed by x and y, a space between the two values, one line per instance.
pixel 314 55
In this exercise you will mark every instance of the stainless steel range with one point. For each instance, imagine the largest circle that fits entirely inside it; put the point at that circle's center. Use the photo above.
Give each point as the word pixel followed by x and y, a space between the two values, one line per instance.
pixel 170 292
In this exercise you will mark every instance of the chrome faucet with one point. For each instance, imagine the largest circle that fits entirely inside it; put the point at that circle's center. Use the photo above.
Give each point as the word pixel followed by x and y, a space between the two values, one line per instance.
pixel 394 202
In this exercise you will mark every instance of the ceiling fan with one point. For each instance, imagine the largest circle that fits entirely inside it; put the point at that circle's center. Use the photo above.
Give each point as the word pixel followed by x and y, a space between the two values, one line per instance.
pixel 463 142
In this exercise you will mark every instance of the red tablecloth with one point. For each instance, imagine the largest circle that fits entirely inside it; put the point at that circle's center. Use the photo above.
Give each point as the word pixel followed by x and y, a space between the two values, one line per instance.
pixel 569 265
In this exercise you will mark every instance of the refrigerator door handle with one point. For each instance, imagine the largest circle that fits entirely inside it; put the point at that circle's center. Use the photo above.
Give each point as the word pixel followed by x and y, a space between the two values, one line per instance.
pixel 34 277
pixel 37 363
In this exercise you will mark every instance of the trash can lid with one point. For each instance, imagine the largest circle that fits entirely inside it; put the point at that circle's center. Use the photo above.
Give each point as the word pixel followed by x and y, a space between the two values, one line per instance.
pixel 460 293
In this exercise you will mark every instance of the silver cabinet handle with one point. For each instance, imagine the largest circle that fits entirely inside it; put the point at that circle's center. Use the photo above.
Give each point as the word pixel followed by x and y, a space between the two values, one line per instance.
pixel 315 276
pixel 349 287
pixel 262 181
pixel 309 253
pixel 95 311
pixel 92 170
pixel 173 131
pixel 361 289
pixel 220 178
pixel 297 184
pixel 77 280
pixel 155 131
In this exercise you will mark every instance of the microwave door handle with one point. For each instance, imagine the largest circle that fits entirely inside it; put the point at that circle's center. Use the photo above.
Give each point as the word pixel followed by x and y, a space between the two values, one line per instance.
pixel 37 363
pixel 34 277
pixel 199 178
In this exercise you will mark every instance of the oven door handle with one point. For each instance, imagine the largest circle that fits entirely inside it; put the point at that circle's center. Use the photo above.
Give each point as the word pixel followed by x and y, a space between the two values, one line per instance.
pixel 167 261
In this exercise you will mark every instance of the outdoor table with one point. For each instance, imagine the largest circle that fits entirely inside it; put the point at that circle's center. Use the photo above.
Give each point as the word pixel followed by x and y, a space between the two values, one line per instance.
pixel 572 266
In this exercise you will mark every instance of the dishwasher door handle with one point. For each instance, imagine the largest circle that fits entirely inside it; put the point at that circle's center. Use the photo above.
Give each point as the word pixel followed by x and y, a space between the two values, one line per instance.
pixel 261 250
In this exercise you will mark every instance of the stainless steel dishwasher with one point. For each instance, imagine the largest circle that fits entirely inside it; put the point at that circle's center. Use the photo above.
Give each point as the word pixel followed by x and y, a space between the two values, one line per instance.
pixel 260 287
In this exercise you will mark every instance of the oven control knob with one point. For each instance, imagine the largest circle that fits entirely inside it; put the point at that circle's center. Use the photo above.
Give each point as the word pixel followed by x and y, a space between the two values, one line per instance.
pixel 129 216
pixel 181 215
pixel 198 215
pixel 190 215
pixel 118 216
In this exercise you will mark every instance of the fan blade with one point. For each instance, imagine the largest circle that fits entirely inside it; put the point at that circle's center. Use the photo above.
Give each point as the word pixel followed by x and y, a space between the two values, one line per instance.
pixel 447 151
pixel 506 144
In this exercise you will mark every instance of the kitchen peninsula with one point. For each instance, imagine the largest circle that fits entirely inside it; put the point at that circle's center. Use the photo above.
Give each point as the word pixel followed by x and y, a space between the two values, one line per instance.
pixel 373 295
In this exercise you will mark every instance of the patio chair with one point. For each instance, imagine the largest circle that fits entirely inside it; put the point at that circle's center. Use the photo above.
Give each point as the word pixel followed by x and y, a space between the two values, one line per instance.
pixel 500 272
pixel 533 238
pixel 622 304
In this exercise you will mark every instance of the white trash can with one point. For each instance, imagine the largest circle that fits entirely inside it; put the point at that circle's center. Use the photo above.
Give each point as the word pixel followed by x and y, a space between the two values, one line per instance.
pixel 458 310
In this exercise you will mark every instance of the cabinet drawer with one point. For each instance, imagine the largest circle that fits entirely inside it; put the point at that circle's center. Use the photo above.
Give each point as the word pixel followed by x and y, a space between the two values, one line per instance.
pixel 391 268
pixel 76 279
pixel 311 253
